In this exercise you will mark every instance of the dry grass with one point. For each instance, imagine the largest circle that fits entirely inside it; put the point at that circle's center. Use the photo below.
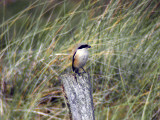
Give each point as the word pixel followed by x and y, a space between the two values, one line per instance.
pixel 36 46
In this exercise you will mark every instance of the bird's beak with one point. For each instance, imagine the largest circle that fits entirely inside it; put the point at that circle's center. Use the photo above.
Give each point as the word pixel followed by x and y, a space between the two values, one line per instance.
pixel 89 46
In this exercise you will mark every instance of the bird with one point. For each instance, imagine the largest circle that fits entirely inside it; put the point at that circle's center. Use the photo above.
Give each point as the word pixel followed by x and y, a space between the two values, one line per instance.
pixel 80 57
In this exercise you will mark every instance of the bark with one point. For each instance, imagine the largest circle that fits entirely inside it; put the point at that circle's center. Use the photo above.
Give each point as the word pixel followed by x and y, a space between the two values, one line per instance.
pixel 78 94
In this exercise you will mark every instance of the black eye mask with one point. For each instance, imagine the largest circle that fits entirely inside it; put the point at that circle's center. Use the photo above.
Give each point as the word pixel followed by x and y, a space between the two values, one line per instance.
pixel 84 46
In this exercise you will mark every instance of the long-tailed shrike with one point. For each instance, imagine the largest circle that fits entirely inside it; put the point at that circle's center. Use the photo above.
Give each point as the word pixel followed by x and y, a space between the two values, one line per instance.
pixel 80 57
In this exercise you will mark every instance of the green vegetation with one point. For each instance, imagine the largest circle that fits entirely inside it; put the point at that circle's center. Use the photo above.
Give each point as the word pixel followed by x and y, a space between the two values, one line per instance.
pixel 36 45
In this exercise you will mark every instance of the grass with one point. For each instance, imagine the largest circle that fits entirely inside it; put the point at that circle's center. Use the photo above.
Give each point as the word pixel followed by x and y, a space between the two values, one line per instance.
pixel 36 46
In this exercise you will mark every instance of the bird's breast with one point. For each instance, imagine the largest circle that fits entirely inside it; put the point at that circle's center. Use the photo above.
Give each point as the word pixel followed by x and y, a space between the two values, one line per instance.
pixel 81 57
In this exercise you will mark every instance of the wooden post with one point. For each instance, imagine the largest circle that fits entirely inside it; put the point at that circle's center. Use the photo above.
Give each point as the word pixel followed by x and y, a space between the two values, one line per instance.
pixel 78 93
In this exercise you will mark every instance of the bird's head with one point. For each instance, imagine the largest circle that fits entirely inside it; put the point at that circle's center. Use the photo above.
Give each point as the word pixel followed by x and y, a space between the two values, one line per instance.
pixel 81 46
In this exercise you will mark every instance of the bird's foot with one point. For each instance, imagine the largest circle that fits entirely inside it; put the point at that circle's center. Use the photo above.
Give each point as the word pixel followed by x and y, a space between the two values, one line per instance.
pixel 79 74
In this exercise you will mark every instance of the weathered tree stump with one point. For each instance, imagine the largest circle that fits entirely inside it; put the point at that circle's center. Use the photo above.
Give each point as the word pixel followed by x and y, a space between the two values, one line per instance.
pixel 78 94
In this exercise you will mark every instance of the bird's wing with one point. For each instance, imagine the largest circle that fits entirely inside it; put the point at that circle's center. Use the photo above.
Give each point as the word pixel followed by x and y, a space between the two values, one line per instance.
pixel 73 68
